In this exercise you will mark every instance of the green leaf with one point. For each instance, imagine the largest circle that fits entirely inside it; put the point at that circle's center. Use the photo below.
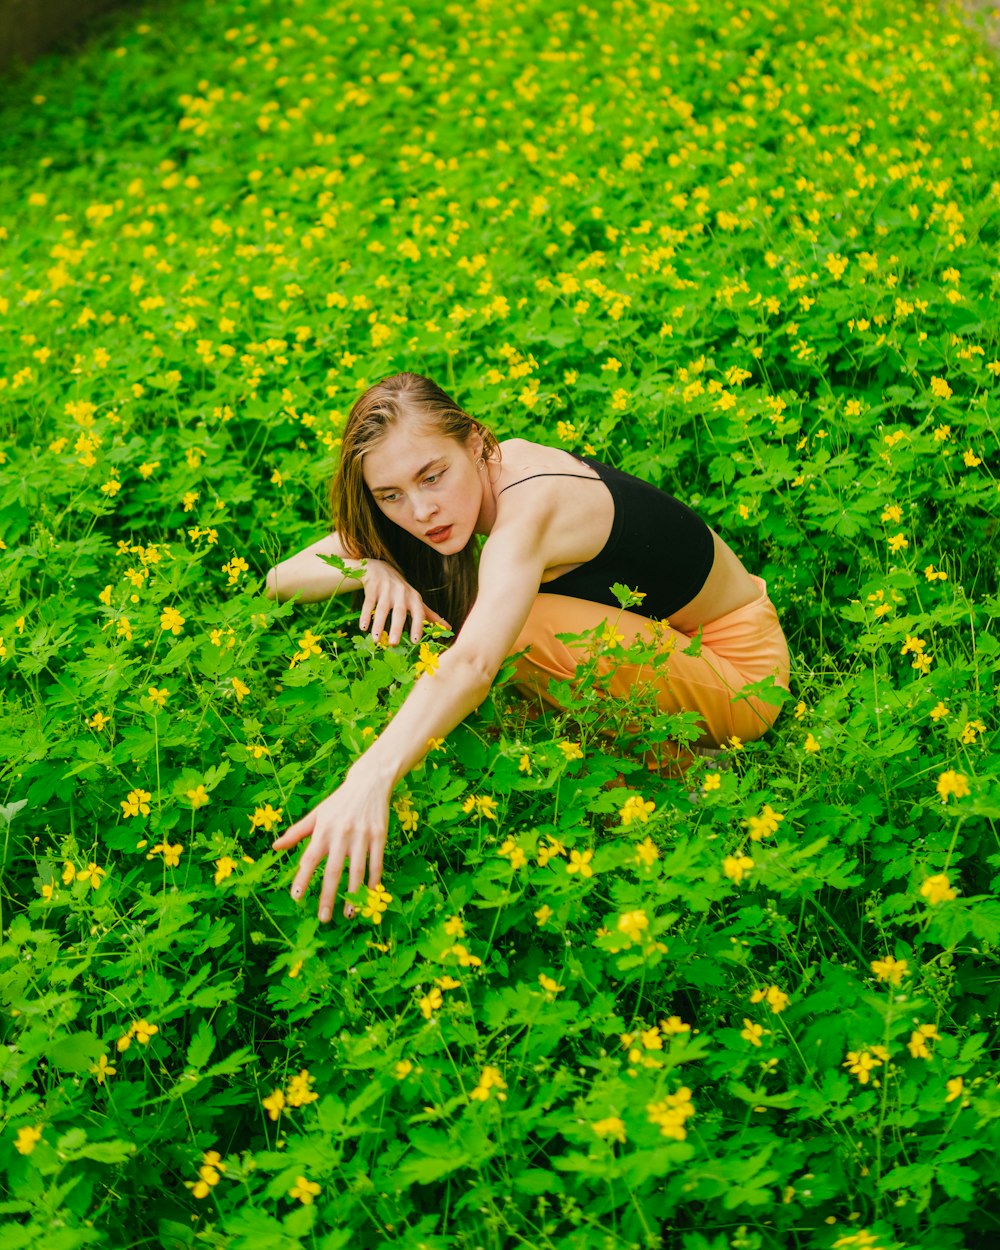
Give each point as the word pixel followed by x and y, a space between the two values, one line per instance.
pixel 75 1052
pixel 202 1045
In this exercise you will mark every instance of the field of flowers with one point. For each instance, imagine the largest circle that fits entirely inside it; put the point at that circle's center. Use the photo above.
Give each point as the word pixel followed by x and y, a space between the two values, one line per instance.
pixel 750 253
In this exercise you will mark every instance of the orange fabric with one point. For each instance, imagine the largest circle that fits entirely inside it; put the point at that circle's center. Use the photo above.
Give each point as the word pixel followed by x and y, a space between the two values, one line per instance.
pixel 741 647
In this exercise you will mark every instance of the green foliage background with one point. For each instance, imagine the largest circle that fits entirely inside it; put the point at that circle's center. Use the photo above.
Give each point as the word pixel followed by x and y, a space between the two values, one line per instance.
pixel 748 253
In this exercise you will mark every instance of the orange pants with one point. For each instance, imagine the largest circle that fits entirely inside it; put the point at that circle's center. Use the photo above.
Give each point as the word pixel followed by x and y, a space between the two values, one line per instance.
pixel 741 647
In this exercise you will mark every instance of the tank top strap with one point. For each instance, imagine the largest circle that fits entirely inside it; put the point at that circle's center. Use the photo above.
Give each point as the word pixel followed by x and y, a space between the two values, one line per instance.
pixel 584 477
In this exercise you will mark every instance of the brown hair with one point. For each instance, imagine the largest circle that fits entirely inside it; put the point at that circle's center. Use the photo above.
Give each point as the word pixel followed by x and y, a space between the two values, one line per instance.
pixel 447 584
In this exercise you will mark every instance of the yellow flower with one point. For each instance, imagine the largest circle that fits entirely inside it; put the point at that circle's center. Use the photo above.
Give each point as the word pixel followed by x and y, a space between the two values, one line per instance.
pixel 548 984
pixel 481 803
pixel 265 818
pixel 550 850
pixel 836 264
pixel 102 1069
pixel 940 388
pixel 171 854
pixel 171 621
pixel 241 690
pixel 611 1127
pixel 274 1103
pixel 776 999
pixel 304 1190
pixel 137 801
pixel 308 645
pixel 674 1025
pixel 954 783
pixel 402 1069
pixel 490 1079
pixel 954 1086
pixel 671 1112
pixel 435 744
pixel 580 862
pixel 27 1139
pixel 890 970
pixel 647 852
pixel 517 856
pixel 144 1031
pixel 571 750
pixel 223 868
pixel 898 542
pixel 405 813
pixel 197 797
pixel 971 459
pixel 712 782
pixel 912 643
pixel 544 914
pixel 68 872
pixel 938 711
pixel 93 874
pixel 752 1032
pixel 428 661
pixel 431 1002
pixel 861 1063
pixel 300 1091
pixel 377 903
pixel 98 721
pixel 524 765
pixel 159 697
pixel 635 808
pixel 937 889
pixel 971 730
pixel 632 924
pixel 811 744
pixel 919 1038
pixel 764 824
pixel 735 867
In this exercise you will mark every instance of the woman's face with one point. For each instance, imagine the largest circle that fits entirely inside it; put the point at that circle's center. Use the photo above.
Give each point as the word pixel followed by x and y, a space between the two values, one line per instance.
pixel 428 483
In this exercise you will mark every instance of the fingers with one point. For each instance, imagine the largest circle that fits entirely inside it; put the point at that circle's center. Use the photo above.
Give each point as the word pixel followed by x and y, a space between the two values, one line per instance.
pixel 331 882
pixel 375 855
pixel 357 872
pixel 308 863
pixel 366 609
pixel 416 611
pixel 434 618
pixel 295 833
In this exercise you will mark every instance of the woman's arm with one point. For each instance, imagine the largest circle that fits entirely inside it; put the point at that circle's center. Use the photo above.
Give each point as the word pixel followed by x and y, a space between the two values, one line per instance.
pixel 310 579
pixel 388 598
pixel 353 821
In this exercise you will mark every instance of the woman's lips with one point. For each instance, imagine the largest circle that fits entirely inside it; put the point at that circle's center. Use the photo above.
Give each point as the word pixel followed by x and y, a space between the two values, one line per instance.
pixel 439 535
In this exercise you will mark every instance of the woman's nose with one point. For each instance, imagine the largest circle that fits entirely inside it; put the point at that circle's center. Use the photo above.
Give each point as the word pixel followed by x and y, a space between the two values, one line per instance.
pixel 424 509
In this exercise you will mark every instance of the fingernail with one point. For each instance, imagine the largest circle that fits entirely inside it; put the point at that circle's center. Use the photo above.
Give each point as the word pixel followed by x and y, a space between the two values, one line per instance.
pixel 324 915
pixel 348 912
pixel 296 892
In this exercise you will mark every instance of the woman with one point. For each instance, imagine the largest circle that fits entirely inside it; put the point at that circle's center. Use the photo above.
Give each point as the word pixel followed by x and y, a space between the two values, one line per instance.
pixel 418 478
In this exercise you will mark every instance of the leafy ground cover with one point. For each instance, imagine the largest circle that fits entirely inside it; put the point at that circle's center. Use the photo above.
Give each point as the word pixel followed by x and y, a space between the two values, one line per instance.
pixel 747 253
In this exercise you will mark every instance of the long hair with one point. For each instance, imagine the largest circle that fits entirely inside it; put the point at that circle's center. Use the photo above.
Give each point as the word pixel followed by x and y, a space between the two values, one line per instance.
pixel 447 584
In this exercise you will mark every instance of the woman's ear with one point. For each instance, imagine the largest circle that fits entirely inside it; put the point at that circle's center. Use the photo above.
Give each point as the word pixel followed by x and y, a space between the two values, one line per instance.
pixel 476 444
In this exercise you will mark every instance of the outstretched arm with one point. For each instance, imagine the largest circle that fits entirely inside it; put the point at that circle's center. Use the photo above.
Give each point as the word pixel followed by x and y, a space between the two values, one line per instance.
pixel 353 821
pixel 308 578
pixel 388 598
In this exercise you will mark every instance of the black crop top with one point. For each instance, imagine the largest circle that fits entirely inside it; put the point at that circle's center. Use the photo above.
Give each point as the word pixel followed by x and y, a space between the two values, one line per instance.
pixel 657 544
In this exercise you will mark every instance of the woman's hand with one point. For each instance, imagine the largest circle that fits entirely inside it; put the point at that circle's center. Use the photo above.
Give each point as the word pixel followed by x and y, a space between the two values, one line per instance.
pixel 352 822
pixel 387 593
